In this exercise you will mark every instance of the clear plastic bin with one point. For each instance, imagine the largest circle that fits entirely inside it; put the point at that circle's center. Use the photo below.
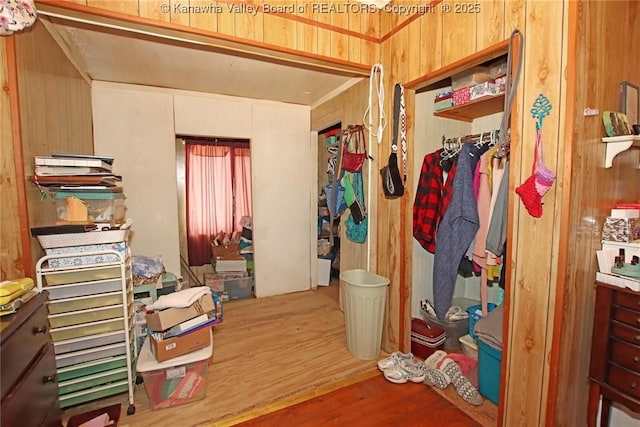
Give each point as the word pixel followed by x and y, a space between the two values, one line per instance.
pixel 177 381
pixel 101 207
pixel 84 303
pixel 86 329
pixel 83 316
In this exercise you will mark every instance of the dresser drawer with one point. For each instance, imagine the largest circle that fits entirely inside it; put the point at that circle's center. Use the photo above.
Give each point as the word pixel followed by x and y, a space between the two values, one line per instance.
pixel 625 333
pixel 626 355
pixel 627 300
pixel 624 380
pixel 631 318
pixel 19 349
pixel 31 399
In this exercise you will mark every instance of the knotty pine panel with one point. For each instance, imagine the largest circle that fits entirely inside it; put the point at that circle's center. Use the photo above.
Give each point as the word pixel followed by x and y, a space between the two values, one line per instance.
pixel 490 23
pixel 458 33
pixel 11 261
pixel 204 21
pixel 153 9
pixel 129 7
pixel 390 228
pixel 307 34
pixel 226 20
pixel 369 26
pixel 354 23
pixel 339 41
pixel 249 26
pixel 535 240
pixel 430 43
pixel 279 31
pixel 324 35
pixel 55 111
pixel 177 13
pixel 594 189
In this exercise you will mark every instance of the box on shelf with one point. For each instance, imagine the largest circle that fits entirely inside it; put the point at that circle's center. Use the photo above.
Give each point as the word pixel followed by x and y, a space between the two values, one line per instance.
pixel 498 68
pixel 485 89
pixel 98 207
pixel 443 103
pixel 501 83
pixel 621 229
pixel 489 360
pixel 462 96
pixel 177 381
pixel 470 77
pixel 161 320
pixel 426 338
pixel 625 213
pixel 87 259
pixel 169 348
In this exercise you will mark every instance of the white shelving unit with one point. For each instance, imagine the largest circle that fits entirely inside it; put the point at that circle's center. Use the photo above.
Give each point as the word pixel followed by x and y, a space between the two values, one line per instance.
pixel 91 322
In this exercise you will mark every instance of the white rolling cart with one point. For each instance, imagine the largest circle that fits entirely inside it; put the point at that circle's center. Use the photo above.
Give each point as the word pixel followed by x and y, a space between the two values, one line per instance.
pixel 91 315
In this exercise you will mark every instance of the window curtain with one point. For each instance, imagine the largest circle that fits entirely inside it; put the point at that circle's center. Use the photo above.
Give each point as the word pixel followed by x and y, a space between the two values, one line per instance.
pixel 214 174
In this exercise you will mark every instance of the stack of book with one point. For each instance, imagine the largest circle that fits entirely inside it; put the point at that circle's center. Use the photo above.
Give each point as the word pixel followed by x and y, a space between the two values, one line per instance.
pixel 74 170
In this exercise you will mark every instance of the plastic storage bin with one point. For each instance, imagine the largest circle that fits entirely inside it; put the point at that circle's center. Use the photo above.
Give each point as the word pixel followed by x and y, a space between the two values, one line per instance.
pixel 475 314
pixel 177 381
pixel 87 259
pixel 365 296
pixel 101 207
pixel 489 360
pixel 469 346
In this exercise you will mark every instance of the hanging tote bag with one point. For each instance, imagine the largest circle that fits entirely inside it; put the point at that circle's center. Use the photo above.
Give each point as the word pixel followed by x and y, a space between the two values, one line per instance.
pixel 357 232
pixel 392 182
pixel 354 149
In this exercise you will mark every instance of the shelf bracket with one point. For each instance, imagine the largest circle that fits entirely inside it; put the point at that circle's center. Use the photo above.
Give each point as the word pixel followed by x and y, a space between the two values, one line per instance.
pixel 618 144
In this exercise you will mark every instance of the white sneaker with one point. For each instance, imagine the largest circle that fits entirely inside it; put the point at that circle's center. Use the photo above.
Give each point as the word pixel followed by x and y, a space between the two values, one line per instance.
pixel 406 371
pixel 394 359
pixel 456 313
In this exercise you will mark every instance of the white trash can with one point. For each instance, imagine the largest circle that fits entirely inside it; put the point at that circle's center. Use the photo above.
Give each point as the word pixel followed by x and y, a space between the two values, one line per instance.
pixel 364 299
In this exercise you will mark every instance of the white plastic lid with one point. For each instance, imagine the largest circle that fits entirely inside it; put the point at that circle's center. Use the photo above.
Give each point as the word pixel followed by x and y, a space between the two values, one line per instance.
pixel 147 361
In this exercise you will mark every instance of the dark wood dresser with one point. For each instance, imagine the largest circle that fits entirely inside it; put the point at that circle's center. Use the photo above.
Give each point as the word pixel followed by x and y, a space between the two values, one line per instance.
pixel 28 384
pixel 614 372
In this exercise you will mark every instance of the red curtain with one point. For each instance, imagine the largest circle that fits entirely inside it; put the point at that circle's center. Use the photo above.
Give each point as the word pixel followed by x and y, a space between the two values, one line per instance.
pixel 218 182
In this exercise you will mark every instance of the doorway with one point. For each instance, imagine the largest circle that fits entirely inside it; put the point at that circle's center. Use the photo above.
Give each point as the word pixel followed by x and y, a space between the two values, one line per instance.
pixel 214 203
pixel 328 221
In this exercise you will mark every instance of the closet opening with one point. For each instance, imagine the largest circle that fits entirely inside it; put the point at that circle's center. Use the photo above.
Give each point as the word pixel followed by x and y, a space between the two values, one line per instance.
pixel 215 207
pixel 329 146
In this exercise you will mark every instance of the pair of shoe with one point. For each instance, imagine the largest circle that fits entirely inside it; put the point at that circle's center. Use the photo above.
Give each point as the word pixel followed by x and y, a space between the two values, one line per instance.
pixel 427 306
pixel 456 313
pixel 402 367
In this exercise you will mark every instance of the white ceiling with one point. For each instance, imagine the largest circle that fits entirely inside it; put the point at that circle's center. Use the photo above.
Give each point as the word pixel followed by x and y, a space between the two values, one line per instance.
pixel 127 57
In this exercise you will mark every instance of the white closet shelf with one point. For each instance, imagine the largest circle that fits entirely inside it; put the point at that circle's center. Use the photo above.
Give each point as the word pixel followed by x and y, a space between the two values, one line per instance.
pixel 618 144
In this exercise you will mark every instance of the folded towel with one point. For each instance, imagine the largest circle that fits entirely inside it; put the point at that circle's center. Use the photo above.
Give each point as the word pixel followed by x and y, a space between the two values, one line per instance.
pixel 489 328
pixel 179 299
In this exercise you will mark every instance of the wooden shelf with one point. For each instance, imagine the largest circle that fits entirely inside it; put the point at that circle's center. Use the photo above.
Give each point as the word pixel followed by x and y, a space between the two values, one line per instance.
pixel 474 109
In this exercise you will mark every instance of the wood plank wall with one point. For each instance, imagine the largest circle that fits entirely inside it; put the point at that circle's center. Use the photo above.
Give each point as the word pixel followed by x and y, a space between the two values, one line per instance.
pixel 55 111
pixel 594 189
pixel 339 30
pixel 12 264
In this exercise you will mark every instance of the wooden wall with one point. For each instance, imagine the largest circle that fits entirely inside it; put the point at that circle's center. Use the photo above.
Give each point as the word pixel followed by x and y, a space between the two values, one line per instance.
pixel 55 112
pixel 12 264
pixel 594 189
pixel 338 30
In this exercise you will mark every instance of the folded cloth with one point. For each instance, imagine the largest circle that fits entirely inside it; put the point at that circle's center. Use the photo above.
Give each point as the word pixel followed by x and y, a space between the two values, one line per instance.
pixel 489 328
pixel 179 299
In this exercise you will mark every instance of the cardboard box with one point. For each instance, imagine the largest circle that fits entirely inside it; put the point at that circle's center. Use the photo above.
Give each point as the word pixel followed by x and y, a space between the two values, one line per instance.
pixel 161 320
pixel 485 89
pixel 462 96
pixel 177 346
pixel 225 252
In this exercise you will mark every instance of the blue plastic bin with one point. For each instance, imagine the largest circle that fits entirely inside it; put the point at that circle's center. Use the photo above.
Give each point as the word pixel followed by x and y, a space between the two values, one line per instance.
pixel 489 360
pixel 474 317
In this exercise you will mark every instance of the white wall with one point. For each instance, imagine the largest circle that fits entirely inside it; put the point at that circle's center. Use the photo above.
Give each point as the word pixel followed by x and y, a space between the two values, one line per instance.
pixel 429 130
pixel 137 125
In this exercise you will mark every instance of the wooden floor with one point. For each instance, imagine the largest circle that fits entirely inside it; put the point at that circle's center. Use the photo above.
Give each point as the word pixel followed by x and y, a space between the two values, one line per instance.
pixel 269 354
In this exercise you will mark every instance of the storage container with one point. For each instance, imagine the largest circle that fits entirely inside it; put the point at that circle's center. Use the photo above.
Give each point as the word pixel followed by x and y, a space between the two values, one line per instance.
pixel 84 289
pixel 79 276
pixel 426 338
pixel 83 316
pixel 489 360
pixel 470 77
pixel 475 314
pixel 483 90
pixel 84 302
pixel 462 96
pixel 88 259
pixel 84 330
pixel 454 330
pixel 78 239
pixel 621 229
pixel 100 207
pixel 232 289
pixel 176 381
pixel 84 343
pixel 91 367
pixel 75 357
pixel 324 271
pixel 469 346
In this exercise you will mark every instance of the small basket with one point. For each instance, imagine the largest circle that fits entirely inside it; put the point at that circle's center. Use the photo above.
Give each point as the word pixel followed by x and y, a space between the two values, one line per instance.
pixel 50 241
pixel 474 316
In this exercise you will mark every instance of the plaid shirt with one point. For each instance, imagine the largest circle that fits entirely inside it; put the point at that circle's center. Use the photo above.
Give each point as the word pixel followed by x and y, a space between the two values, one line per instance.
pixel 432 199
